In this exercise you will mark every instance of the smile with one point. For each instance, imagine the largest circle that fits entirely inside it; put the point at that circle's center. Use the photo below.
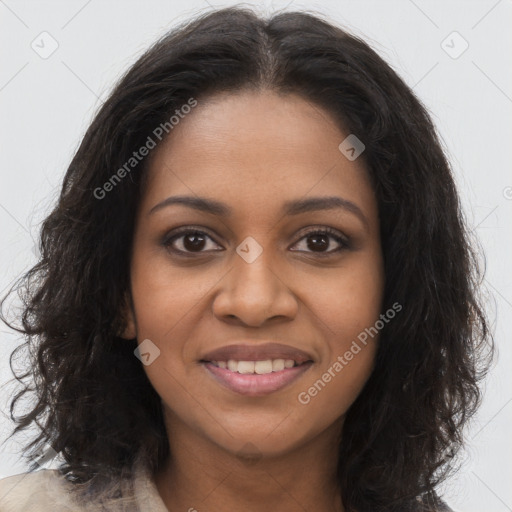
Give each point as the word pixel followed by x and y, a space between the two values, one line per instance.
pixel 256 378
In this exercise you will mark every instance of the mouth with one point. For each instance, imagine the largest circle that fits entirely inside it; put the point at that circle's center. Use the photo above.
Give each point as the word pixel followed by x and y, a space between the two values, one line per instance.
pixel 254 384
pixel 256 370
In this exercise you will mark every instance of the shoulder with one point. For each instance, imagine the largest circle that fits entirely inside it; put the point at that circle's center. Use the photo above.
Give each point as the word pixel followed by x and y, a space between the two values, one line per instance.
pixel 48 490
pixel 34 491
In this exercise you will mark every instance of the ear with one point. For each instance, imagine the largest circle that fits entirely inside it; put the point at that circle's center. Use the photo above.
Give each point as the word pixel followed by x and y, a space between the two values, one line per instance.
pixel 129 329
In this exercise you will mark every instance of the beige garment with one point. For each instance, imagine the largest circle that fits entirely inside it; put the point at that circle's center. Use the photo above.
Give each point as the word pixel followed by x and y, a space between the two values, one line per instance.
pixel 46 490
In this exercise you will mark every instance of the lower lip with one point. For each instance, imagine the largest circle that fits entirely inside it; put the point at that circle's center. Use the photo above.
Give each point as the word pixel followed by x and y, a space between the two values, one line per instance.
pixel 254 384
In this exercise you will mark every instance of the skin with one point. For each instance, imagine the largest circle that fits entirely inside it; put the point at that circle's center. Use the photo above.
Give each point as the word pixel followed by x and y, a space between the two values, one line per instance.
pixel 253 151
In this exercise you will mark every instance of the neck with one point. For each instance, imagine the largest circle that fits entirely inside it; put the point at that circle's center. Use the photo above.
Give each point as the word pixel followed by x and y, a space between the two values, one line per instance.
pixel 201 475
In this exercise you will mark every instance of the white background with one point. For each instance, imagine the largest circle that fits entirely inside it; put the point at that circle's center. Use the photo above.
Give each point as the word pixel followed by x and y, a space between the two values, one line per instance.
pixel 47 104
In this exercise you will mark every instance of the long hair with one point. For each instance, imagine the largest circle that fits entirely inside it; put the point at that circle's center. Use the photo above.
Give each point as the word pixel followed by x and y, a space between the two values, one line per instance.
pixel 93 402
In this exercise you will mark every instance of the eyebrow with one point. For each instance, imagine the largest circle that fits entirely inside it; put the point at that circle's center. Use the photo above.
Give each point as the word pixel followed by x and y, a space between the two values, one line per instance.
pixel 295 207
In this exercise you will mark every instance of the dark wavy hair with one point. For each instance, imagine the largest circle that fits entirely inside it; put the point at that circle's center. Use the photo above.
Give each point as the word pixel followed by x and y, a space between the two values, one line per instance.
pixel 94 404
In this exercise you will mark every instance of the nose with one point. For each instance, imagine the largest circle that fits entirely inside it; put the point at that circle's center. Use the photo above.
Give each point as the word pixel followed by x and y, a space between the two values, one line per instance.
pixel 253 293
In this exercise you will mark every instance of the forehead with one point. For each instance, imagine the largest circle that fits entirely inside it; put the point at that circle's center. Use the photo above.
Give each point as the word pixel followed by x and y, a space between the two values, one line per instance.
pixel 253 149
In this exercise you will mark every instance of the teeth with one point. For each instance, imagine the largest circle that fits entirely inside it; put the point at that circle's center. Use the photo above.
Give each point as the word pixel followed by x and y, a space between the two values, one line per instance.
pixel 277 365
pixel 256 367
pixel 245 367
pixel 261 367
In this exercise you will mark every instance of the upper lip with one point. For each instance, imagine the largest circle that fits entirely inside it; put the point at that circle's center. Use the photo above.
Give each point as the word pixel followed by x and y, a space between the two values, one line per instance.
pixel 252 352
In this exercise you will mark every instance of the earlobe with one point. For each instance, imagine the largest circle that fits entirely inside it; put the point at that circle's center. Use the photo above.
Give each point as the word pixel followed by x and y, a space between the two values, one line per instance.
pixel 129 329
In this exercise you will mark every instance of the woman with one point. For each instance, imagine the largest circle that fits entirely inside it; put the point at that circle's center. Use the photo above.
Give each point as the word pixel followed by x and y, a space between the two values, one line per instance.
pixel 256 289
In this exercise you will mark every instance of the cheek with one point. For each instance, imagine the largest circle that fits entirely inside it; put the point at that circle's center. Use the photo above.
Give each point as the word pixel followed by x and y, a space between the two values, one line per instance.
pixel 330 394
pixel 166 295
pixel 347 301
pixel 165 300
pixel 347 309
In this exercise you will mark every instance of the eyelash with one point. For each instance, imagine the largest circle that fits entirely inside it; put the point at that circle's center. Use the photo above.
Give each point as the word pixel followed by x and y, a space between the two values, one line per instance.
pixel 168 240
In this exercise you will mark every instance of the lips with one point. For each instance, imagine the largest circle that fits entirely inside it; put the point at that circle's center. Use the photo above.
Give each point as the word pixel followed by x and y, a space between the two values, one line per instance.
pixel 253 352
pixel 254 385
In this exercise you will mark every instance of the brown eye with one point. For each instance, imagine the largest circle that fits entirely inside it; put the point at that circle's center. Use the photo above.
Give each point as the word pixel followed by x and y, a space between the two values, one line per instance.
pixel 188 241
pixel 320 240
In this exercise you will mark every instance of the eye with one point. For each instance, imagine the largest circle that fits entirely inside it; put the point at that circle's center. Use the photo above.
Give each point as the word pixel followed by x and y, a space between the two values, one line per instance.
pixel 318 240
pixel 188 241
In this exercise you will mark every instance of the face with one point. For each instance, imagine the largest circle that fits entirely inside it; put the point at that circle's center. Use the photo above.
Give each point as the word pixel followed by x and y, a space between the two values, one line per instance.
pixel 262 271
